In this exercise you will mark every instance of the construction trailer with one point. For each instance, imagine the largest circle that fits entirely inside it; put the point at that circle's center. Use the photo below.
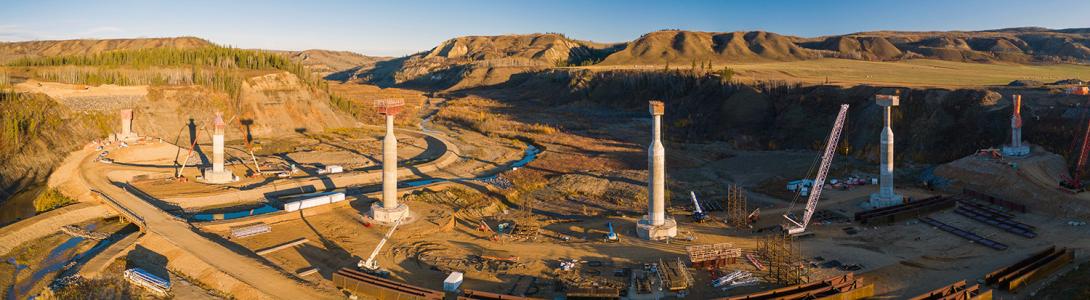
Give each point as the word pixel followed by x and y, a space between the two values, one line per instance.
pixel 369 286
pixel 1031 269
pixel 843 287
pixel 904 212
pixel 318 200
pixel 249 230
pixel 148 281
pixel 956 291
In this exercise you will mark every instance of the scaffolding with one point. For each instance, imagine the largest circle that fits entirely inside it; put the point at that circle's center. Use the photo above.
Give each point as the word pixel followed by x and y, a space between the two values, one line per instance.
pixel 737 216
pixel 713 255
pixel 782 258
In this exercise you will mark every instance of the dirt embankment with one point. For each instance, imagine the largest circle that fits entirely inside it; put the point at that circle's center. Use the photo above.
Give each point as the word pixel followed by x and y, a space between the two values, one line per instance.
pixel 931 125
pixel 269 105
pixel 44 133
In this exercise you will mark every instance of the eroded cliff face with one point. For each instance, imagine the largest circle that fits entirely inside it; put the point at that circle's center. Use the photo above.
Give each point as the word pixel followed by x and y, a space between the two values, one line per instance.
pixel 930 125
pixel 268 105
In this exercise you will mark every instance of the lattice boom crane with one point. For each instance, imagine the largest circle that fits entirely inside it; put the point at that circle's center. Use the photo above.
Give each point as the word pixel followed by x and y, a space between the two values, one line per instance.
pixel 796 227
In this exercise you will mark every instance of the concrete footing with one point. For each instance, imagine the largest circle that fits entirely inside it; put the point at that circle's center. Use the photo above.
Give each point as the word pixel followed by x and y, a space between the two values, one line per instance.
pixel 1009 150
pixel 877 201
pixel 388 216
pixel 214 177
pixel 656 232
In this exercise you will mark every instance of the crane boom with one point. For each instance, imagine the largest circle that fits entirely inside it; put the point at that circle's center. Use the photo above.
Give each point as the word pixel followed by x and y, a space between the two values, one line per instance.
pixel 696 204
pixel 1074 182
pixel 370 262
pixel 796 227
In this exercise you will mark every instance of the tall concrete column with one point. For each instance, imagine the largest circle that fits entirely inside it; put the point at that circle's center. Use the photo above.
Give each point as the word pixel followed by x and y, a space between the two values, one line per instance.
pixel 886 195
pixel 389 211
pixel 126 123
pixel 655 225
pixel 886 169
pixel 1016 148
pixel 218 174
pixel 656 165
pixel 217 144
pixel 389 165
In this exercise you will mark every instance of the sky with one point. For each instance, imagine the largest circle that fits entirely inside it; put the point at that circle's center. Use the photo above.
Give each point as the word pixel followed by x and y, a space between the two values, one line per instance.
pixel 394 28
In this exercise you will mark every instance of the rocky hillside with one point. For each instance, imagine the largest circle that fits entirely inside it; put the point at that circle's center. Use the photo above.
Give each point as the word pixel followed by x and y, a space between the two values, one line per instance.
pixel 325 62
pixel 682 47
pixel 34 49
pixel 931 125
pixel 471 61
pixel 1017 45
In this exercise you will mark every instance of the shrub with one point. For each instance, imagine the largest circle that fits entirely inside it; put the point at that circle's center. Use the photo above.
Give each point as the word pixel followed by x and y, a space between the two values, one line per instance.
pixel 51 199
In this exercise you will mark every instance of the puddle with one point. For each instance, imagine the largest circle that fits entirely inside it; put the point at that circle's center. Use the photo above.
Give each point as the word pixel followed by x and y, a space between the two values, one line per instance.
pixel 58 258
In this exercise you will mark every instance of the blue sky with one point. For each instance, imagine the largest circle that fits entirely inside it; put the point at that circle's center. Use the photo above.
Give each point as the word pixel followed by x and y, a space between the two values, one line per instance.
pixel 403 27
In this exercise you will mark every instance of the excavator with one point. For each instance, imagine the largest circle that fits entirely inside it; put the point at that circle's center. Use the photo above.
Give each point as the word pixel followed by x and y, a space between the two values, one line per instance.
pixel 794 227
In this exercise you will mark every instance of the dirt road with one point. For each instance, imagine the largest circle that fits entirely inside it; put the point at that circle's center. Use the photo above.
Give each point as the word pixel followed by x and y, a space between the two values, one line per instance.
pixel 179 233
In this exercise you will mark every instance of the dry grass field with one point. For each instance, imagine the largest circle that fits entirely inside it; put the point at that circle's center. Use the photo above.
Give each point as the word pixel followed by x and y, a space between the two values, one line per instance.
pixel 909 73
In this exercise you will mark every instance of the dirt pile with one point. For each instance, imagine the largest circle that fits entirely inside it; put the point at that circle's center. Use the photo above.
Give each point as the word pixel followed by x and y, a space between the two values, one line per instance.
pixel 1032 181
pixel 32 49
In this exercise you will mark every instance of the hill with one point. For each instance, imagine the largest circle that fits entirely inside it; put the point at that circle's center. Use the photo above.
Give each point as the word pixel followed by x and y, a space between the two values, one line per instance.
pixel 10 51
pixel 325 62
pixel 470 61
pixel 677 47
pixel 475 60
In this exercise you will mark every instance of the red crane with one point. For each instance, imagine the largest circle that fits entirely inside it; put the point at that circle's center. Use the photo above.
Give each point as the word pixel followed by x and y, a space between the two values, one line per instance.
pixel 1074 182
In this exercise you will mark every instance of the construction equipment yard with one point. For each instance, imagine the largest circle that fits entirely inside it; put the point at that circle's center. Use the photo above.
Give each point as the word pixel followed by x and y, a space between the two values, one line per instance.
pixel 835 243
pixel 541 167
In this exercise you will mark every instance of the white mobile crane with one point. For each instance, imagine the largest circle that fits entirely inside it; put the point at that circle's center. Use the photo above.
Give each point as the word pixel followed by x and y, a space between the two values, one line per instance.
pixel 370 265
pixel 796 227
pixel 698 213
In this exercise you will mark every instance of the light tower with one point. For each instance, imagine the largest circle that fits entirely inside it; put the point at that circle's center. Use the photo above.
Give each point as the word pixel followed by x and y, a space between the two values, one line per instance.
pixel 655 225
pixel 126 125
pixel 389 211
pixel 885 195
pixel 218 174
pixel 1016 148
